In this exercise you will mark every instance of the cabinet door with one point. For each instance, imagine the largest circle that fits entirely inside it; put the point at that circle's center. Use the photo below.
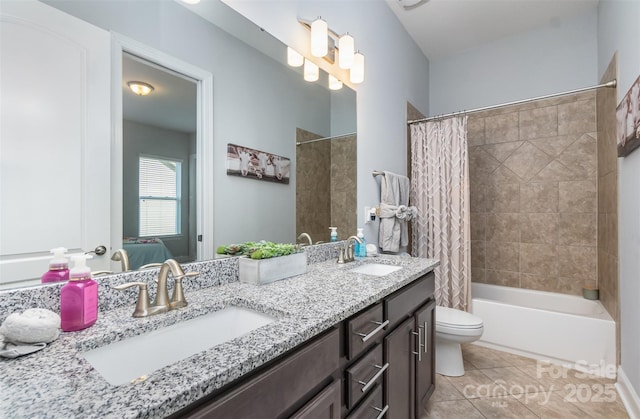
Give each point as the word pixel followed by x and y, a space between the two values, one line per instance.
pixel 326 405
pixel 425 366
pixel 399 389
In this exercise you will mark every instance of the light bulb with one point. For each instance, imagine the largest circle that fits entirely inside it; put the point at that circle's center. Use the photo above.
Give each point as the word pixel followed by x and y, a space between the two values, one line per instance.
pixel 311 71
pixel 319 38
pixel 294 59
pixel 356 74
pixel 346 51
pixel 334 83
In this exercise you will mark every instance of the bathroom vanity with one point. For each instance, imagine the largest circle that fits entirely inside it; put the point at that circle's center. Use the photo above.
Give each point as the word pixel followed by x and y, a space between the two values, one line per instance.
pixel 379 362
pixel 341 344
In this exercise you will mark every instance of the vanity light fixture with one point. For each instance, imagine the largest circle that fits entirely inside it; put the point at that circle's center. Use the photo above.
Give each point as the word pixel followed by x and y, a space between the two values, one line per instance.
pixel 311 71
pixel 191 1
pixel 140 88
pixel 356 74
pixel 345 51
pixel 334 83
pixel 294 58
pixel 327 44
pixel 319 38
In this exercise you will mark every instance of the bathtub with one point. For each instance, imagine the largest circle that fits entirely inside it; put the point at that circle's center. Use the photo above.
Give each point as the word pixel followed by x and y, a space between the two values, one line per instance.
pixel 564 329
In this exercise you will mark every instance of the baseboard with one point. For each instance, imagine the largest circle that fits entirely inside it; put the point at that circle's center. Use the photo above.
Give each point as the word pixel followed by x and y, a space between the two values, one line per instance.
pixel 628 395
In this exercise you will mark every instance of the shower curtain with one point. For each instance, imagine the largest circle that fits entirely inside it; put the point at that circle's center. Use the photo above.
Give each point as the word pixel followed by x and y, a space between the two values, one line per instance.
pixel 440 191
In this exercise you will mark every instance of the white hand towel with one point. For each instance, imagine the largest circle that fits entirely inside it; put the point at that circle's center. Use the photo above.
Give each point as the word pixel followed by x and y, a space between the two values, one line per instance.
pixel 394 212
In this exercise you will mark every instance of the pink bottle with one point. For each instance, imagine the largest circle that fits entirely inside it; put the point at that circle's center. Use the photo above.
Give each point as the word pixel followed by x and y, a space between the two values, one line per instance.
pixel 79 297
pixel 58 267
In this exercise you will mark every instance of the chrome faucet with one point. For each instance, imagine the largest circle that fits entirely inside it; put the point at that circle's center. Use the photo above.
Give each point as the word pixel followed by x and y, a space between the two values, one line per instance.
pixel 122 256
pixel 162 302
pixel 347 254
pixel 305 236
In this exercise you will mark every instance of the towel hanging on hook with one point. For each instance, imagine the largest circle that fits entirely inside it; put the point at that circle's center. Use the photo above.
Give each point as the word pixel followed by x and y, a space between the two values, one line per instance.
pixel 395 212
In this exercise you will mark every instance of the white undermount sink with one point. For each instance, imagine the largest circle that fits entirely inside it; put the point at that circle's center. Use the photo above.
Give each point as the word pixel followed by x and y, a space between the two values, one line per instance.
pixel 375 269
pixel 127 360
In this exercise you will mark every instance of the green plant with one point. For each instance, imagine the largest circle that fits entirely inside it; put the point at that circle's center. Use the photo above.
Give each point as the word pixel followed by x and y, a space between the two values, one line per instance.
pixel 259 250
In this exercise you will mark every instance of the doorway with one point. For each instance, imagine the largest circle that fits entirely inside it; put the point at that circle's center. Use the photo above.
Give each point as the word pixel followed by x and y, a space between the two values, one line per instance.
pixel 166 138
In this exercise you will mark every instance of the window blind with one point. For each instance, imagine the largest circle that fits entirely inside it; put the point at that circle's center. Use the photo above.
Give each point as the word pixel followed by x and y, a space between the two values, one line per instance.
pixel 159 192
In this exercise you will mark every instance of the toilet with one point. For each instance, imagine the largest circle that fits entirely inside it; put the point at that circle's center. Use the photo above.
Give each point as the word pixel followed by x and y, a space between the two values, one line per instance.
pixel 454 327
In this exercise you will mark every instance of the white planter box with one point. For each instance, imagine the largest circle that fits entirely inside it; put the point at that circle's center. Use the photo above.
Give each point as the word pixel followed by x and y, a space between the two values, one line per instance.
pixel 263 271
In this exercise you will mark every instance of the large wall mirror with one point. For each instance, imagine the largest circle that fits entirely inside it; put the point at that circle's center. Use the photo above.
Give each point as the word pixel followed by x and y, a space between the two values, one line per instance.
pixel 258 102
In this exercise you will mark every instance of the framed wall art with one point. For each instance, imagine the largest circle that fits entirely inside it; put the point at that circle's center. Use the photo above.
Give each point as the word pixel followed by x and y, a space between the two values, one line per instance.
pixel 628 117
pixel 255 164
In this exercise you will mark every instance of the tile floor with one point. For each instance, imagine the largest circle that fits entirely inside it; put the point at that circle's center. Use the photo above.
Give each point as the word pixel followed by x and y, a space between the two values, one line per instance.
pixel 502 385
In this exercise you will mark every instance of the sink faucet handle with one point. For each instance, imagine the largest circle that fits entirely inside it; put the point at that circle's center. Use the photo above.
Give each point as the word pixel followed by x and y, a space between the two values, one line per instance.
pixel 177 299
pixel 142 305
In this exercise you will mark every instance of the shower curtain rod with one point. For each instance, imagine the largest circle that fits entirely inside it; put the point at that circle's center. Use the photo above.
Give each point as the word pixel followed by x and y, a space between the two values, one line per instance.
pixel 612 83
pixel 325 138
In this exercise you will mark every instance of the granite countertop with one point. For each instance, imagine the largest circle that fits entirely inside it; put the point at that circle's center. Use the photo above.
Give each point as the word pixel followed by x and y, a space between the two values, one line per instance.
pixel 59 382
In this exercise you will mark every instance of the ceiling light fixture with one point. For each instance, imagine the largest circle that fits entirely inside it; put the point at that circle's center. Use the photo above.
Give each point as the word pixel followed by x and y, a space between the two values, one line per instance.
pixel 140 88
pixel 191 1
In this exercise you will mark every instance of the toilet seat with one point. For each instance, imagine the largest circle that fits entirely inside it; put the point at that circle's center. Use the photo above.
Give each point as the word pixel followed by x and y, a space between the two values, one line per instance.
pixel 457 322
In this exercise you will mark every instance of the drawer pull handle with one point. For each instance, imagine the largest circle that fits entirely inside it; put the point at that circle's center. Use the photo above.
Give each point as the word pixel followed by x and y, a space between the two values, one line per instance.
pixel 374 331
pixel 374 378
pixel 382 411
pixel 426 338
pixel 419 343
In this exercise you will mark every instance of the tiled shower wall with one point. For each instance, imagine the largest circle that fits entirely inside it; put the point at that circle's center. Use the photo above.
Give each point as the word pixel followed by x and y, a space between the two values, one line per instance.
pixel 325 186
pixel 534 196
pixel 343 186
pixel 313 186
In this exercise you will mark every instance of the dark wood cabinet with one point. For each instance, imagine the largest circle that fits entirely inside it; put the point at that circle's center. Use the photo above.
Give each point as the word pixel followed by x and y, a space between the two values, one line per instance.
pixel 410 351
pixel 276 390
pixel 378 363
pixel 399 347
pixel 326 405
pixel 425 366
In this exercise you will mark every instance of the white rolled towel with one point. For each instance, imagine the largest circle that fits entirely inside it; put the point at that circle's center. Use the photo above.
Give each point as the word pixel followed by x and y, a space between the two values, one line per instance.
pixel 35 325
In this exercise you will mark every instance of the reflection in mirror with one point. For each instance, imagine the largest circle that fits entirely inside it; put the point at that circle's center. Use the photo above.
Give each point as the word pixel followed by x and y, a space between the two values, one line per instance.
pixel 326 185
pixel 159 155
pixel 261 112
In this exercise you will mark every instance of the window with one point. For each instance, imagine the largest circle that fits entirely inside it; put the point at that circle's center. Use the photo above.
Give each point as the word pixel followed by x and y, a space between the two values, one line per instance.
pixel 159 192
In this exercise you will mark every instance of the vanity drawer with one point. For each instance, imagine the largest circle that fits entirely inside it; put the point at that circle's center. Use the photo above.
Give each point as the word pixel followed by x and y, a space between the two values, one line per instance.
pixel 364 375
pixel 401 304
pixel 364 330
pixel 371 407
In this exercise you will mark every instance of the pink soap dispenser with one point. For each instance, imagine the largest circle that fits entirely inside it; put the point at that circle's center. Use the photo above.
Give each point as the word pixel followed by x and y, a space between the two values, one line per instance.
pixel 79 297
pixel 58 267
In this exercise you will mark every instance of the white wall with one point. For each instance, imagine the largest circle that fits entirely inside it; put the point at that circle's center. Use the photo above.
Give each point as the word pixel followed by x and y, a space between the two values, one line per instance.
pixel 558 57
pixel 618 30
pixel 396 71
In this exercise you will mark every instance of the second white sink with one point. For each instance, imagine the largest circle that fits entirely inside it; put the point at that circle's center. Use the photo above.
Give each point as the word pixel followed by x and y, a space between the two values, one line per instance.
pixel 376 269
pixel 126 360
